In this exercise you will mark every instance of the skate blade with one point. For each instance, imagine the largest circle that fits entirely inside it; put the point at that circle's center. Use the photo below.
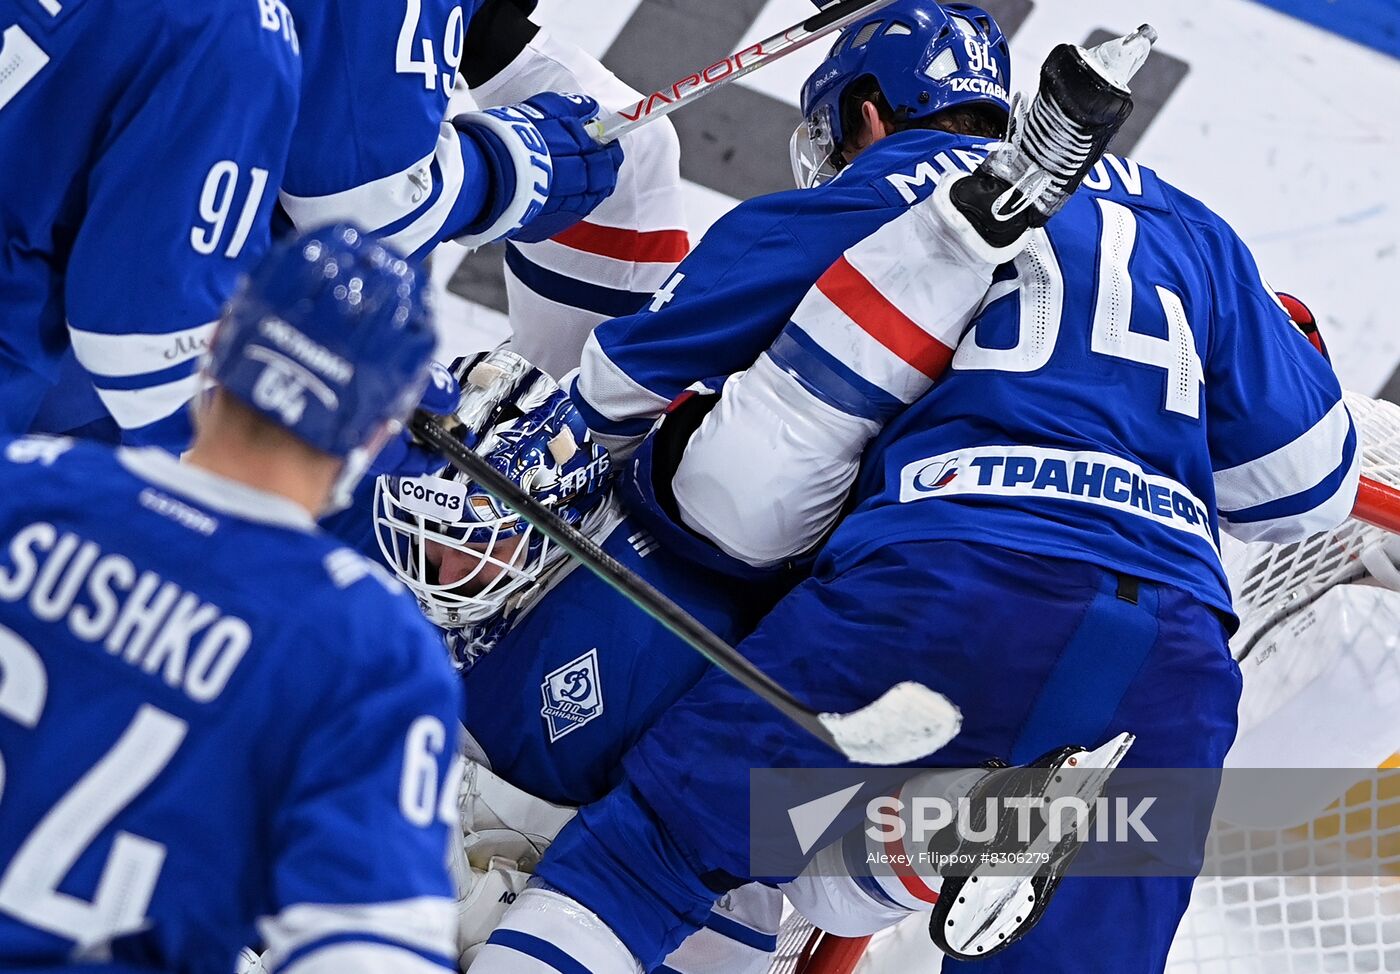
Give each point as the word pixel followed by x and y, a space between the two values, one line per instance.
pixel 1117 60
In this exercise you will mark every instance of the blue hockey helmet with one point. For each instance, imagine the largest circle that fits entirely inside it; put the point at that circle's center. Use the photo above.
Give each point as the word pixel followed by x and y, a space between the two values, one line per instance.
pixel 471 561
pixel 925 56
pixel 330 336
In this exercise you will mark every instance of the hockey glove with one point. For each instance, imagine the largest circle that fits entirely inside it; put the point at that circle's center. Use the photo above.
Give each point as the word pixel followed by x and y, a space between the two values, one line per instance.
pixel 549 172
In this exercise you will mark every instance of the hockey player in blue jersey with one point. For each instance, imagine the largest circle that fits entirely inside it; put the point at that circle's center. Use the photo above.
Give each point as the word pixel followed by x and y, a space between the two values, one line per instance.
pixel 369 143
pixel 895 140
pixel 373 144
pixel 212 716
pixel 1036 537
pixel 562 674
pixel 133 196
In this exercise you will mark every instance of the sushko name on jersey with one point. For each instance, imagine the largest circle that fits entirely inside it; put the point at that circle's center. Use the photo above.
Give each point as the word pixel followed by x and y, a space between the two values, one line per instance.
pixel 1086 477
pixel 137 616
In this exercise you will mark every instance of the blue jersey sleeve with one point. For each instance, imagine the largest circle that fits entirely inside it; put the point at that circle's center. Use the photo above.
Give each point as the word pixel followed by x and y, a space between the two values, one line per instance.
pixel 372 144
pixel 732 296
pixel 177 207
pixel 1282 444
pixel 361 880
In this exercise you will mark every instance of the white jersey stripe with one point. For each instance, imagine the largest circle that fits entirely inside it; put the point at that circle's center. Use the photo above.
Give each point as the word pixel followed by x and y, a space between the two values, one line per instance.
pixel 426 923
pixel 135 408
pixel 428 227
pixel 1291 469
pixel 612 392
pixel 1323 517
pixel 375 204
pixel 135 353
pixel 639 276
pixel 344 957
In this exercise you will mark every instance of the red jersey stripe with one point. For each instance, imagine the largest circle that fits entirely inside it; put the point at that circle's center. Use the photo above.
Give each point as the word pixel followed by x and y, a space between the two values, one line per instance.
pixel 637 246
pixel 904 870
pixel 848 289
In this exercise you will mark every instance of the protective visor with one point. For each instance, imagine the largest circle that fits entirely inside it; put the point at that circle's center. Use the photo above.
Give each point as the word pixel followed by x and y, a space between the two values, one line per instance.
pixel 812 150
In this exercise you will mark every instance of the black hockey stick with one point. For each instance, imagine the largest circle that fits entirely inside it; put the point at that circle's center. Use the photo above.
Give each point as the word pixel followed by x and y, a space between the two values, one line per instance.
pixel 907 722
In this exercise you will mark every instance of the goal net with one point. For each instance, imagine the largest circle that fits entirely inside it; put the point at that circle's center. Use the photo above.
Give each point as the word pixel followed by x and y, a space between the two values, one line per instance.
pixel 1286 596
pixel 1333 599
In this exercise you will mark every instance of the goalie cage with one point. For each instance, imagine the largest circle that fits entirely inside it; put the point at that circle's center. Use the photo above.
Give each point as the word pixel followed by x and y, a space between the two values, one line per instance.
pixel 1253 924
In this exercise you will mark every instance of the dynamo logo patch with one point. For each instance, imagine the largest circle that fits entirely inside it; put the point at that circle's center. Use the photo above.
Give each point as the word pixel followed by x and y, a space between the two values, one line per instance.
pixel 573 695
pixel 1100 479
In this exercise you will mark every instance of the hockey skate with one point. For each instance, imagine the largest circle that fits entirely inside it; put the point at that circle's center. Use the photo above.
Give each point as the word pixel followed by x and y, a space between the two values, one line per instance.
pixel 1002 897
pixel 1051 145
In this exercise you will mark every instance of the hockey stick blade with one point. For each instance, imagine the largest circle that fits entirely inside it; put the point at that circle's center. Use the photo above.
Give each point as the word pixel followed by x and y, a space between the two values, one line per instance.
pixel 698 84
pixel 908 722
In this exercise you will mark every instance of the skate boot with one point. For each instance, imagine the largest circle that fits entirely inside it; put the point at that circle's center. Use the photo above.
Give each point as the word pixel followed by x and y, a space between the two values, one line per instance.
pixel 1000 899
pixel 1051 145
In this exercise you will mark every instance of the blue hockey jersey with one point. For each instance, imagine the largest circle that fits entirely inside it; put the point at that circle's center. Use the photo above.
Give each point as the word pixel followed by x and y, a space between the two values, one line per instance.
pixel 142 145
pixel 572 686
pixel 372 145
pixel 1129 384
pixel 730 298
pixel 211 716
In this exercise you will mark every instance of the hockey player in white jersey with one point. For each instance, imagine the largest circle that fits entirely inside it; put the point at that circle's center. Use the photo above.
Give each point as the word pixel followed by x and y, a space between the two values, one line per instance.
pixel 217 723
pixel 610 263
pixel 141 147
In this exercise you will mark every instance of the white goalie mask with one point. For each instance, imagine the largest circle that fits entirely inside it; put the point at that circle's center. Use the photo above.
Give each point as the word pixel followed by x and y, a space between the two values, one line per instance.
pixel 470 560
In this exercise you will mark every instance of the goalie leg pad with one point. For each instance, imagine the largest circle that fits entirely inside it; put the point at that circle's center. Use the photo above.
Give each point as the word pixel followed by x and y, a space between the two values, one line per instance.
pixel 546 931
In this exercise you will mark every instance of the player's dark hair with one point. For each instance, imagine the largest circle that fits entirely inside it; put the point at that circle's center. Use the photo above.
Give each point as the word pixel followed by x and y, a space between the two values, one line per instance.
pixel 979 121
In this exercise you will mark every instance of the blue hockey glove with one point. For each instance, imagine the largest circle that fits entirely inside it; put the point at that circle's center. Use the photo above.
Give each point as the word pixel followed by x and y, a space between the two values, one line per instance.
pixel 404 456
pixel 585 171
pixel 549 172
